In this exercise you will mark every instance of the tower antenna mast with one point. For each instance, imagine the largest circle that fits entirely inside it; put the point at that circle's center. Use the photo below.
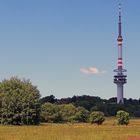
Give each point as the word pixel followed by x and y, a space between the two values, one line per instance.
pixel 120 78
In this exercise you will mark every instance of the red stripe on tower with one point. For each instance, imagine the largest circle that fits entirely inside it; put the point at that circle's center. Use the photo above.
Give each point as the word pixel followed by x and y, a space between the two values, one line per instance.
pixel 119 63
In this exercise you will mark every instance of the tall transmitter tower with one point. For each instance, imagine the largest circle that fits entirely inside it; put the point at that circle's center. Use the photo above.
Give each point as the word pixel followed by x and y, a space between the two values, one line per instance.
pixel 120 78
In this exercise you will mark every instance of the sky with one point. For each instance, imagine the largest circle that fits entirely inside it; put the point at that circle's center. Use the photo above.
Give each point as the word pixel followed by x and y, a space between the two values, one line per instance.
pixel 69 47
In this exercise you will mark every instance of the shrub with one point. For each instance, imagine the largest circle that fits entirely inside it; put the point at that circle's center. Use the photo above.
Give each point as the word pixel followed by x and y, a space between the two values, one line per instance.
pixel 82 115
pixel 97 117
pixel 50 113
pixel 122 117
pixel 67 111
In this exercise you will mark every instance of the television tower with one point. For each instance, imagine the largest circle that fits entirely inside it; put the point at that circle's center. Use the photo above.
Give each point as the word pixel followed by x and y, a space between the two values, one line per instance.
pixel 120 78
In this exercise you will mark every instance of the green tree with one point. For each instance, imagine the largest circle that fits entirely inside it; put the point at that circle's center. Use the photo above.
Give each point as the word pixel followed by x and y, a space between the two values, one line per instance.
pixel 67 112
pixel 50 113
pixel 97 117
pixel 122 117
pixel 50 99
pixel 19 102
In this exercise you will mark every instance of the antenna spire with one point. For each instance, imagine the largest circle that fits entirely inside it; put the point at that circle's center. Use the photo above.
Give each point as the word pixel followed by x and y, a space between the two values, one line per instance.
pixel 120 9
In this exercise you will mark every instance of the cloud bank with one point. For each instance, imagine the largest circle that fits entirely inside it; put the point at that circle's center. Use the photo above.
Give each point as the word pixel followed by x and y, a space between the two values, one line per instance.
pixel 92 70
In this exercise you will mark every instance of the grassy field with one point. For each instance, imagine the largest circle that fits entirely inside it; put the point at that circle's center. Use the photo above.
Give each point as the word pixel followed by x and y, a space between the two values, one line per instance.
pixel 108 131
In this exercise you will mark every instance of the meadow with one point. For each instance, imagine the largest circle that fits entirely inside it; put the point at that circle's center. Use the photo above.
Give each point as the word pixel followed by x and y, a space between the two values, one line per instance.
pixel 108 131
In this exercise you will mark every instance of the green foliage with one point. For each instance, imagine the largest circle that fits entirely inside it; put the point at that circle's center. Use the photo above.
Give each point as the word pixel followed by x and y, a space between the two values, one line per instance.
pixel 97 117
pixel 85 101
pixel 122 117
pixel 91 103
pixel 50 113
pixel 67 112
pixel 50 99
pixel 53 113
pixel 81 115
pixel 19 101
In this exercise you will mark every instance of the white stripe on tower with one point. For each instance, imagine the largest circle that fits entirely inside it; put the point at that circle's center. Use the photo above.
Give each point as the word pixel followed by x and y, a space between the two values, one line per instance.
pixel 120 43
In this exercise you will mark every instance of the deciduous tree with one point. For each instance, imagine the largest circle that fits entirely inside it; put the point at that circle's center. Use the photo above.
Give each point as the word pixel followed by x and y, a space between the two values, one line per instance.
pixel 19 102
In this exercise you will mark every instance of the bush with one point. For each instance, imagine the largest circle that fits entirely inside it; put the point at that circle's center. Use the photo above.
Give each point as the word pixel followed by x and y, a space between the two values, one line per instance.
pixel 81 115
pixel 50 113
pixel 122 117
pixel 97 117
pixel 53 113
pixel 67 112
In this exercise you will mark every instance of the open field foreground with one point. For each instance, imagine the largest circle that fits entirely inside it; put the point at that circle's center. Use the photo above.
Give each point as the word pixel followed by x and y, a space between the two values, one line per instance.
pixel 108 131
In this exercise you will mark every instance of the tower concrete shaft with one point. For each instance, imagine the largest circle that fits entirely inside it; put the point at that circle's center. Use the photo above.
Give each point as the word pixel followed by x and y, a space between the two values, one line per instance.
pixel 120 78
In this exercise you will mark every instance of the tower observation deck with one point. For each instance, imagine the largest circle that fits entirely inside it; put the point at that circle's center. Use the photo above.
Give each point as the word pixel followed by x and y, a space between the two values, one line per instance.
pixel 120 78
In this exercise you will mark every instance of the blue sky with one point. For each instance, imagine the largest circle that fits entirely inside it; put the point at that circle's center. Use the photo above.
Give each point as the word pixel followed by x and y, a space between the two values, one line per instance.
pixel 51 42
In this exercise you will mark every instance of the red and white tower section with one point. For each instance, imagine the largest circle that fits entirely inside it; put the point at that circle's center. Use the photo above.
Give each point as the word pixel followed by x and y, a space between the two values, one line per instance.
pixel 120 78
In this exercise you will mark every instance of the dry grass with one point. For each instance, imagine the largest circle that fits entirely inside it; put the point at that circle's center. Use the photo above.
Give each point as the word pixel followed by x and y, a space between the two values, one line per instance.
pixel 108 131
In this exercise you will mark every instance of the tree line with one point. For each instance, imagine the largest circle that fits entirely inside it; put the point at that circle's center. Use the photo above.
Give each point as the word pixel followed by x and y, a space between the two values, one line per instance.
pixel 91 103
pixel 21 104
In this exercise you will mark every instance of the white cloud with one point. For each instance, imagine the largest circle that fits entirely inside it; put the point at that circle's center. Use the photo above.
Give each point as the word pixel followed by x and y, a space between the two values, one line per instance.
pixel 92 70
